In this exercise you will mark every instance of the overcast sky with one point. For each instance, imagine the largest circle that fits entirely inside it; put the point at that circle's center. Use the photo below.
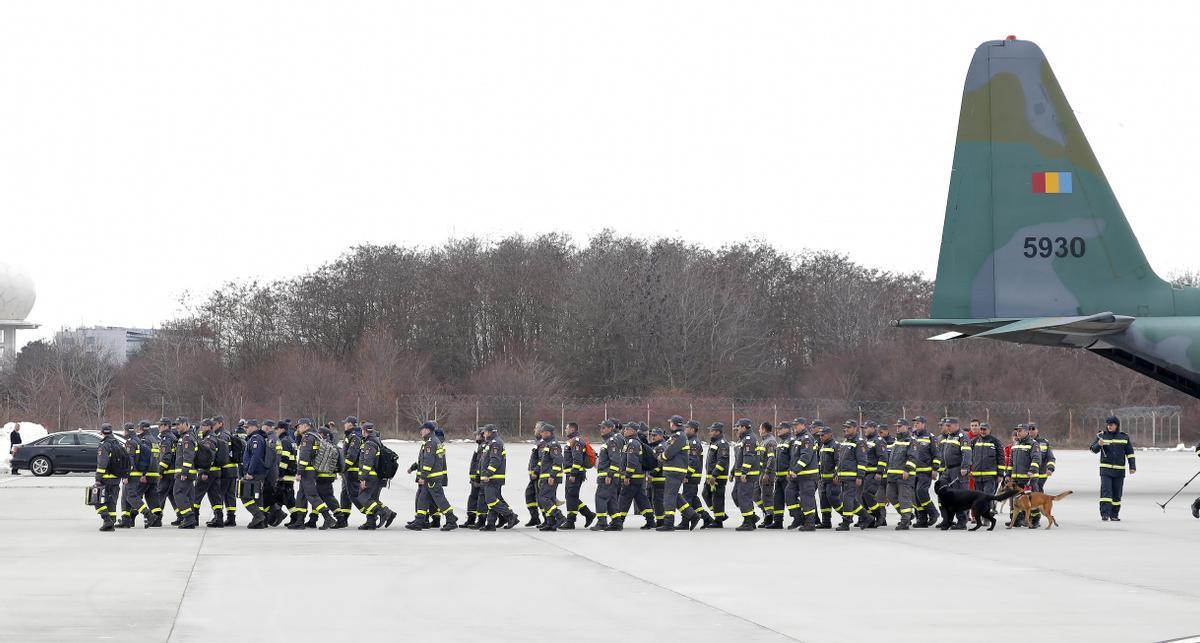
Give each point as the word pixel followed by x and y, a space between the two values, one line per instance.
pixel 149 149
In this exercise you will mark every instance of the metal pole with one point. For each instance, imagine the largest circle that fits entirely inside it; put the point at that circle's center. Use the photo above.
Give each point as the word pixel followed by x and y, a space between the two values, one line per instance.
pixel 691 411
pixel 860 415
pixel 477 413
pixel 1153 427
pixel 732 415
pixel 435 415
pixel 397 417
pixel 647 413
pixel 358 407
pixel 776 413
pixel 606 410
pixel 520 416
pixel 162 405
pixel 562 419
pixel 202 407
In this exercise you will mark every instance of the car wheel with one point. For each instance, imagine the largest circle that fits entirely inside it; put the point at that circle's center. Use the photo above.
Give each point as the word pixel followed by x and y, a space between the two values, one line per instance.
pixel 41 466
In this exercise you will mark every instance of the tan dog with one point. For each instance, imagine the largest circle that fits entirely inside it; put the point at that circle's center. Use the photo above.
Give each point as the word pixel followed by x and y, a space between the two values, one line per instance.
pixel 1026 503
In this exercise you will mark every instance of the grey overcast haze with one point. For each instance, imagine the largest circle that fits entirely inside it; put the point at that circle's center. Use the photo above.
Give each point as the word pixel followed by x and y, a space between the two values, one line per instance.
pixel 153 149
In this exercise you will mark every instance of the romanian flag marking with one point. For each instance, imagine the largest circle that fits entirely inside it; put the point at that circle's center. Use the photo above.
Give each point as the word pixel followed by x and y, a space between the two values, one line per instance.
pixel 1051 182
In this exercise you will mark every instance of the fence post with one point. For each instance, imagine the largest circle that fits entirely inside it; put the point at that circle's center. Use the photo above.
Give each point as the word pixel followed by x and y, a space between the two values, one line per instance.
pixel 732 415
pixel 358 406
pixel 860 415
pixel 1070 424
pixel 476 413
pixel 281 407
pixel 776 413
pixel 606 410
pixel 397 417
pixel 647 413
pixel 521 417
pixel 691 412
pixel 162 406
pixel 202 407
pixel 435 417
pixel 1153 428
pixel 562 419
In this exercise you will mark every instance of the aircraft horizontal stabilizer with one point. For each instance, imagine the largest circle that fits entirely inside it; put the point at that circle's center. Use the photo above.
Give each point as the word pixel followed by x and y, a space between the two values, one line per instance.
pixel 1051 331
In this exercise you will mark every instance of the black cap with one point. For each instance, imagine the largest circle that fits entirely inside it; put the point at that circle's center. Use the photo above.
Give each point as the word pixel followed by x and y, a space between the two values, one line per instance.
pixel 183 419
pixel 608 423
pixel 871 424
pixel 884 426
pixel 744 422
pixel 218 418
pixel 676 420
pixel 902 422
pixel 369 427
pixel 919 418
pixel 658 430
pixel 269 422
pixel 427 425
pixel 1112 419
pixel 128 426
pixel 985 425
pixel 106 429
pixel 824 430
pixel 818 423
pixel 693 424
pixel 803 421
pixel 162 421
pixel 716 426
pixel 1022 426
pixel 785 425
pixel 1033 425
pixel 284 424
pixel 952 420
pixel 350 419
pixel 252 422
pixel 206 422
pixel 850 423
pixel 307 421
pixel 144 424
pixel 546 426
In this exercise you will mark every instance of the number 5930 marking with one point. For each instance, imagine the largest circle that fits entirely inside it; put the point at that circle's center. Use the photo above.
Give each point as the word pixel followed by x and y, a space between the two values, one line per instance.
pixel 1057 246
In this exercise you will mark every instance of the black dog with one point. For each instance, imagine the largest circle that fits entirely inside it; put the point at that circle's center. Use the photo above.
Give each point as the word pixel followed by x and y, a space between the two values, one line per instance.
pixel 951 501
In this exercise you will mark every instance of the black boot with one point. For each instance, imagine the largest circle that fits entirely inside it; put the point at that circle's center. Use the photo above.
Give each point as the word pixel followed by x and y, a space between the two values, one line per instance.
pixel 693 521
pixel 217 521
pixel 258 522
pixel 844 525
pixel 190 521
pixel 904 523
pixel 1196 508
pixel 109 523
pixel 330 521
pixel 386 516
pixel 297 521
pixel 553 521
pixel 807 524
pixel 568 524
pixel 312 521
pixel 451 522
pixel 535 518
pixel 881 517
pixel 435 521
pixel 826 522
pixel 601 524
pixel 125 522
pixel 418 523
pixel 513 521
pixel 487 523
pixel 776 522
pixel 866 521
pixel 154 520
pixel 922 521
pixel 617 524
pixel 667 524
pixel 369 524
pixel 588 516
pixel 342 521
pixel 749 523
pixel 276 516
pixel 797 520
pixel 230 519
pixel 178 521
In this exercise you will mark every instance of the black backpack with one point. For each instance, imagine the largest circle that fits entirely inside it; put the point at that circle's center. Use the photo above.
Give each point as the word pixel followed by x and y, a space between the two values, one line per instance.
pixel 649 460
pixel 388 463
pixel 206 452
pixel 237 448
pixel 119 463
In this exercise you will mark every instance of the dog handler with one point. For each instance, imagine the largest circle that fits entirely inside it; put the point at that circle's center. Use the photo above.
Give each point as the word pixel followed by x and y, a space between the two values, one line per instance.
pixel 1114 447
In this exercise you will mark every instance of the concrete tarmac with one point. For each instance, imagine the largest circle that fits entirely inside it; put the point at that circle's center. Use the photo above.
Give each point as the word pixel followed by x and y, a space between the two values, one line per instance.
pixel 1086 580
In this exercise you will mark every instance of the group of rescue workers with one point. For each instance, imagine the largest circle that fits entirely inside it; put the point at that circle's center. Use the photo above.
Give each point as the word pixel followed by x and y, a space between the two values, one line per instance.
pixel 795 470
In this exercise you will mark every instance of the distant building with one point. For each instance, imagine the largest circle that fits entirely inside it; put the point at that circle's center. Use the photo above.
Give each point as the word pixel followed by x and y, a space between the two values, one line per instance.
pixel 118 342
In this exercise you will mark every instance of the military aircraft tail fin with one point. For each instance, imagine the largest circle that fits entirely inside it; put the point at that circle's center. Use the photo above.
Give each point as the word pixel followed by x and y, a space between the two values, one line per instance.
pixel 1032 228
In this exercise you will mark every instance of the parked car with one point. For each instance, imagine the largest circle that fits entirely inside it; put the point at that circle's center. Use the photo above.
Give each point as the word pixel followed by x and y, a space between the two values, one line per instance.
pixel 62 452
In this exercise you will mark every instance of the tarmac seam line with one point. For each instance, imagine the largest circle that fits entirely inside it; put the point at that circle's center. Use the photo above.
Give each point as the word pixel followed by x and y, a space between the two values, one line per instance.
pixel 661 587
pixel 186 584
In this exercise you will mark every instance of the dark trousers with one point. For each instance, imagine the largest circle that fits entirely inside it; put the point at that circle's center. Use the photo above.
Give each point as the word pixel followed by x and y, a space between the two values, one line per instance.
pixel 153 500
pixel 829 496
pixel 571 495
pixel 350 492
pixel 633 495
pixel 497 507
pixel 110 496
pixel 252 496
pixel 531 494
pixel 208 487
pixel 184 492
pixel 608 489
pixel 284 495
pixel 310 494
pixel 923 503
pixel 431 499
pixel 131 497
pixel 325 490
pixel 871 487
pixel 673 499
pixel 743 495
pixel 229 489
pixel 690 493
pixel 164 489
pixel 547 496
pixel 985 484
pixel 851 502
pixel 901 493
pixel 801 497
pixel 714 498
pixel 657 491
pixel 368 499
pixel 1110 495
pixel 475 500
pixel 780 501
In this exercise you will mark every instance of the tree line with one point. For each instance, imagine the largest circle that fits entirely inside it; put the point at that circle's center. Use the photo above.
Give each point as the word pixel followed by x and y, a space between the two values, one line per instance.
pixel 541 317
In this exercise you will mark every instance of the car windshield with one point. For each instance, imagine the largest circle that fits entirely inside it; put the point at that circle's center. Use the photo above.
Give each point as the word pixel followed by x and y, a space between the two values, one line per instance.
pixel 88 439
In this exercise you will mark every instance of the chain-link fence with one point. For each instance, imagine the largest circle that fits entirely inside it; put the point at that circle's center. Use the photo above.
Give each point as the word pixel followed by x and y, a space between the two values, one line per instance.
pixel 1064 424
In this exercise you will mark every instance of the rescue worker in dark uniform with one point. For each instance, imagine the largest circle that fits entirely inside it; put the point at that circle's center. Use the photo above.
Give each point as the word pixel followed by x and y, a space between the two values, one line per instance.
pixel 141 461
pixel 716 475
pixel 209 483
pixel 633 489
pixel 1026 462
pixel 184 488
pixel 851 469
pixel 763 493
pixel 289 471
pixel 167 437
pixel 109 482
pixel 608 470
pixel 1047 460
pixel 869 492
pixel 575 468
pixel 829 494
pixel 901 475
pixel 747 469
pixel 492 476
pixel 254 460
pixel 654 472
pixel 781 464
pixel 955 456
pixel 305 461
pixel 924 454
pixel 431 481
pixel 351 449
pixel 802 477
pixel 370 485
pixel 987 460
pixel 229 471
pixel 690 493
pixel 271 502
pixel 152 502
pixel 882 445
pixel 1116 450
pixel 674 462
pixel 531 488
pixel 549 470
pixel 476 507
pixel 325 482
